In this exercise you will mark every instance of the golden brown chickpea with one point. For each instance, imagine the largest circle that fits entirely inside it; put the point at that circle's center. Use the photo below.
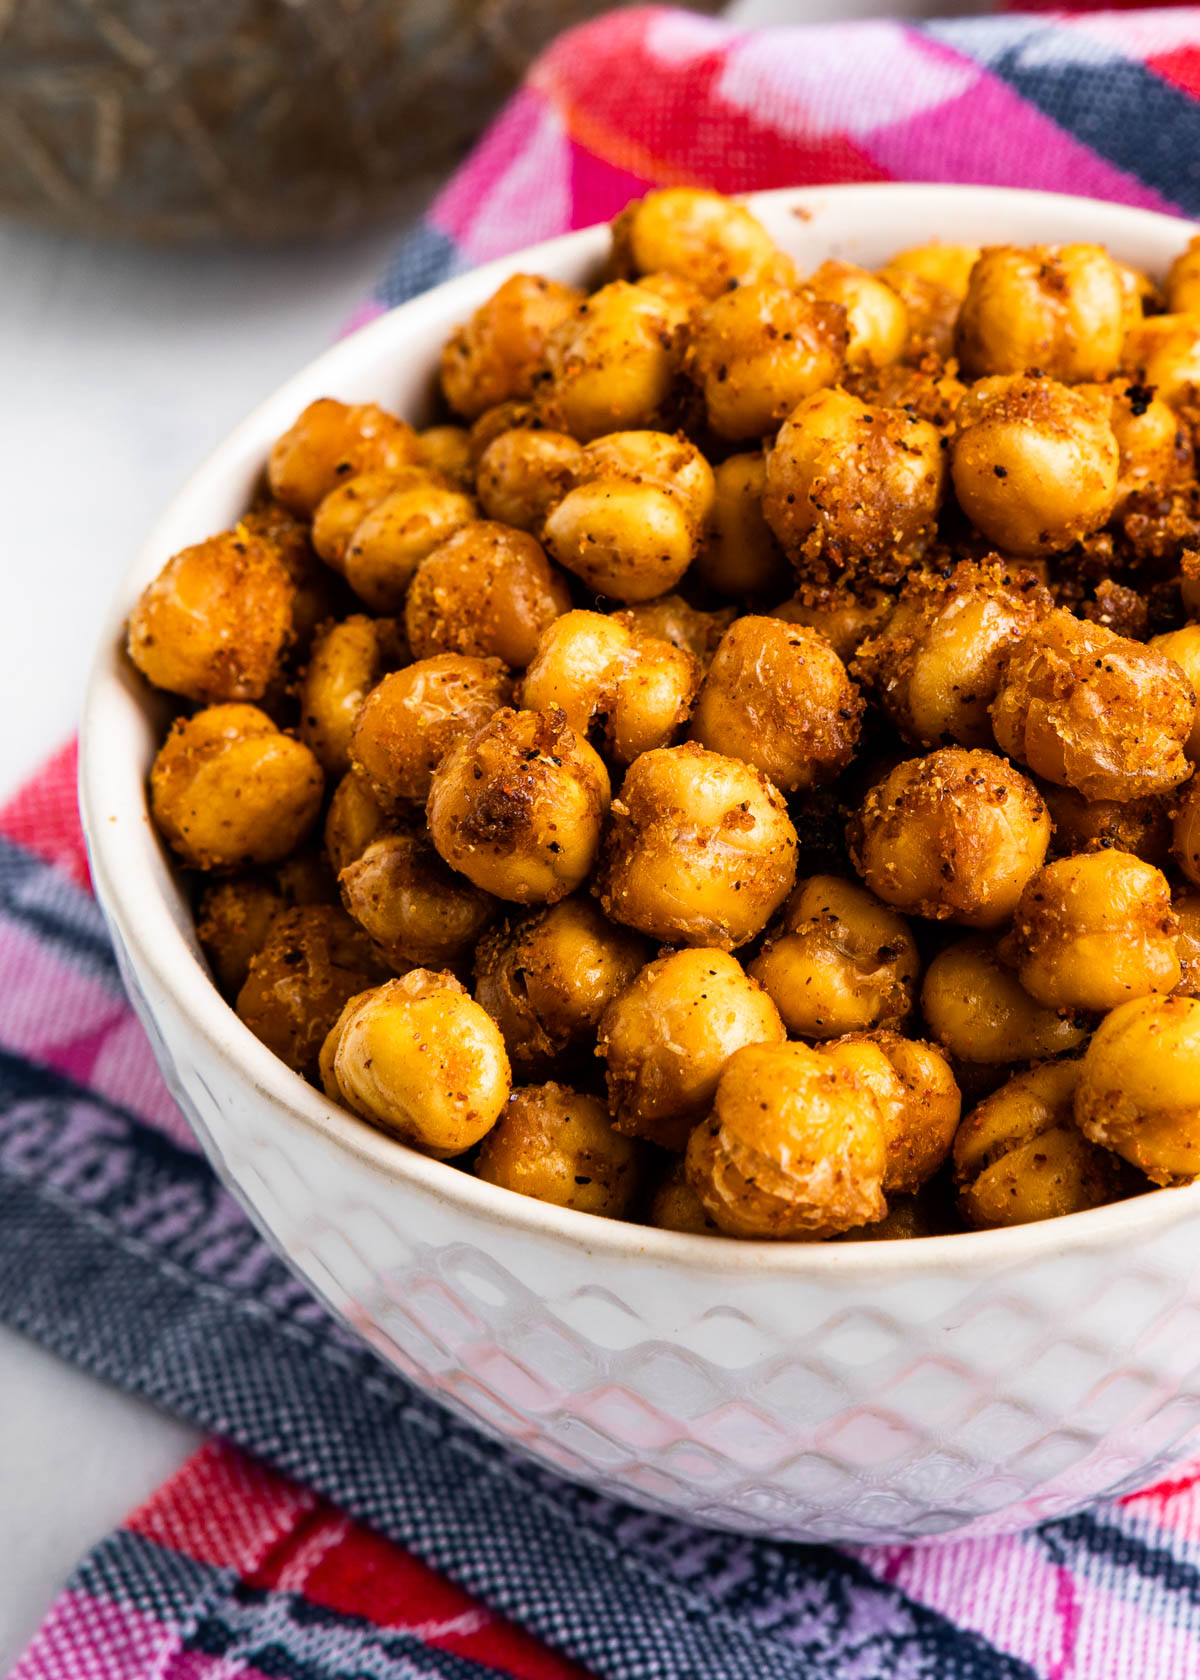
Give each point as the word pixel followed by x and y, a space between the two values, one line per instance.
pixel 954 836
pixel 628 539
pixel 419 1058
pixel 559 1146
pixel 739 555
pixel 666 459
pixel 314 596
pixel 412 718
pixel 1035 464
pixel 844 616
pixel 675 1206
pixel 777 696
pixel 1183 281
pixel 494 422
pixel 669 618
pixel 332 441
pixel 611 363
pixel 233 920
pixel 1019 1157
pixel 1095 711
pixel 846 483
pixel 667 1037
pixel 488 590
pixel 700 849
pixel 1139 1087
pixel 918 1098
pixel 215 622
pixel 977 1009
pixel 517 806
pixel 1182 647
pixel 876 317
pixel 228 789
pixel 446 451
pixel 1163 352
pixel 493 357
pixel 704 238
pixel 523 473
pixel 931 310
pixel 795 1147
pixel 1093 931
pixel 346 662
pixel 342 511
pixel 1060 308
pixel 627 691
pixel 1186 906
pixel 755 352
pixel 410 905
pixel 838 961
pixel 946 265
pixel 935 665
pixel 1140 826
pixel 1154 451
pixel 355 818
pixel 396 535
pixel 1185 832
pixel 924 386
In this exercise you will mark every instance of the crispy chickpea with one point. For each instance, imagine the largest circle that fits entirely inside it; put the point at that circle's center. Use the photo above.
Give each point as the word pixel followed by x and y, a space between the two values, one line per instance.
pixel 675 1206
pixel 931 309
pixel 946 265
pixel 847 483
pixel 627 691
pixel 611 364
pixel 844 616
pixel 410 905
pixel 1153 449
pixel 488 590
pixel 778 696
pixel 518 805
pixel 876 316
pixel 1092 931
pixel 332 441
pixel 314 597
pixel 1139 1087
pixel 700 849
pixel 669 618
pixel 666 459
pixel 343 510
pixel 1182 647
pixel 523 473
pixel 628 539
pixel 233 920
pixel 412 718
pixel 355 818
pixel 795 1146
pixel 704 238
pixel 1140 826
pixel 1060 308
pixel 667 1037
pixel 935 666
pixel 954 836
pixel 1019 1157
pixel 1185 832
pixel 1163 352
pixel 918 1098
pixel 559 1146
pixel 977 1009
pixel 493 358
pixel 446 451
pixel 419 1058
pixel 215 622
pixel 1186 906
pixel 739 554
pixel 1035 464
pixel 838 961
pixel 229 789
pixel 1088 709
pixel 396 535
pixel 755 352
pixel 346 662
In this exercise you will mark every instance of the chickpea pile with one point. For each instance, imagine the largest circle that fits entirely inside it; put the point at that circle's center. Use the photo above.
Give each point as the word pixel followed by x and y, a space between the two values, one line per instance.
pixel 735 770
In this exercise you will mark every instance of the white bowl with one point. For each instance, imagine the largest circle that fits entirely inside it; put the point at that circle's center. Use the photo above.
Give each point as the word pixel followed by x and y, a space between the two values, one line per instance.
pixel 850 1392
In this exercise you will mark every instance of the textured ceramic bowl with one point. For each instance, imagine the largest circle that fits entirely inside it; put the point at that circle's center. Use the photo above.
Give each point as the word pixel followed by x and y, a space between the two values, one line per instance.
pixel 852 1392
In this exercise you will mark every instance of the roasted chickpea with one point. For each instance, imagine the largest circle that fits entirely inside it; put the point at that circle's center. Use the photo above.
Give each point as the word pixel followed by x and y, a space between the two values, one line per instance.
pixel 1140 826
pixel 1060 308
pixel 918 1099
pixel 332 441
pixel 1186 906
pixel 343 510
pixel 1095 711
pixel 666 459
pixel 778 696
pixel 977 1009
pixel 1139 1087
pixel 494 422
pixel 346 662
pixel 410 905
pixel 844 616
pixel 412 718
pixel 446 452
pixel 1035 464
pixel 838 961
pixel 517 806
pixel 1182 648
pixel 755 352
pixel 559 1146
pixel 739 554
pixel 493 358
pixel 419 1058
pixel 1153 448
pixel 669 618
pixel 628 539
pixel 396 535
pixel 611 363
pixel 668 1035
pixel 314 593
pixel 233 920
pixel 355 818
pixel 1163 353
pixel 488 590
pixel 946 265
pixel 624 690
pixel 876 317
pixel 1185 832
pixel 795 1146
pixel 1182 286
pixel 931 310
pixel 675 1206
pixel 954 836
pixel 215 622
pixel 523 473
pixel 228 789
pixel 702 237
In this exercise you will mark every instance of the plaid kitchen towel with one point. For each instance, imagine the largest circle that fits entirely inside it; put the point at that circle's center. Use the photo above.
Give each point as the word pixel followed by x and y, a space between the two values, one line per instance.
pixel 340 1524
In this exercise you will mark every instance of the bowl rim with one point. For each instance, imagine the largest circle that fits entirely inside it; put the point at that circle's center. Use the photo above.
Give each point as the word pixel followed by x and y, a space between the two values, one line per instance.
pixel 117 827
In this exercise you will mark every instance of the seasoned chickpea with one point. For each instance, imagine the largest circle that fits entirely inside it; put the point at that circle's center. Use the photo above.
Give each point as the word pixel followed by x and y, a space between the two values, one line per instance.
pixel 1163 353
pixel 1186 906
pixel 611 364
pixel 228 789
pixel 669 618
pixel 419 1058
pixel 935 666
pixel 931 309
pixel 778 696
pixel 355 818
pixel 755 352
pixel 332 441
pixel 488 590
pixel 1139 1087
pixel 494 422
pixel 876 316
pixel 918 1099
pixel 628 539
pixel 946 265
pixel 524 472
pixel 924 386
pixel 795 1146
pixel 215 622
pixel 517 806
pixel 675 1206
pixel 844 616
pixel 1060 308
pixel 627 691
pixel 704 238
pixel 412 718
pixel 396 535
pixel 667 1037
pixel 493 358
pixel 700 849
pixel 1140 826
pixel 666 459
pixel 233 920
pixel 1182 647
pixel 1088 709
pixel 1185 832
pixel 1182 286
pixel 343 510
pixel 346 662
pixel 1035 464
pixel 446 451
pixel 838 961
pixel 977 1009
pixel 410 905
pixel 739 554
pixel 559 1146
pixel 1153 448
pixel 314 593
pixel 1019 1157
pixel 954 836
